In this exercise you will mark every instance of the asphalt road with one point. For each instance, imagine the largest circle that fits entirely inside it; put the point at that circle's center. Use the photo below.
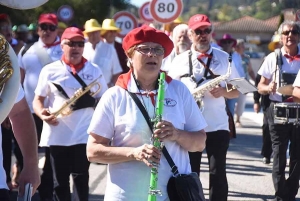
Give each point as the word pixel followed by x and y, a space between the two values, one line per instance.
pixel 248 177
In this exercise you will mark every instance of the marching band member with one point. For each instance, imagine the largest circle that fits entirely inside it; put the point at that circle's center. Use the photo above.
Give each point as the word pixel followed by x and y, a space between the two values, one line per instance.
pixel 272 74
pixel 46 50
pixel 66 136
pixel 119 133
pixel 296 90
pixel 203 60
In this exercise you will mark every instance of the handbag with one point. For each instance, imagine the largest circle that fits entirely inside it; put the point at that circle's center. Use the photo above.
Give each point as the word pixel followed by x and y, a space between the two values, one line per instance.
pixel 180 187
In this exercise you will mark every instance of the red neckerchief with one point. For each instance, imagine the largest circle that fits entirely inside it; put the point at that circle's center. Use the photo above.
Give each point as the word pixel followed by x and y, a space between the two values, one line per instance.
pixel 75 68
pixel 51 45
pixel 292 58
pixel 203 55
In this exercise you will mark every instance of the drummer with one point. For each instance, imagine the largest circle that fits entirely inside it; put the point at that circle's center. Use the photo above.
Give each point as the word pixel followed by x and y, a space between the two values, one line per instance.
pixel 289 62
pixel 296 90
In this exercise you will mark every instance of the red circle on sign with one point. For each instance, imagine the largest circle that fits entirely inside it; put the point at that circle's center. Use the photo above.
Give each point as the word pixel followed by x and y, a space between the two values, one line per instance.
pixel 298 15
pixel 165 20
pixel 141 13
pixel 125 14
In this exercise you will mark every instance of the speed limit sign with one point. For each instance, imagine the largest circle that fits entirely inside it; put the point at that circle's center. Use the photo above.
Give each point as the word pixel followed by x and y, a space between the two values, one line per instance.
pixel 125 21
pixel 298 15
pixel 166 11
pixel 144 12
pixel 65 13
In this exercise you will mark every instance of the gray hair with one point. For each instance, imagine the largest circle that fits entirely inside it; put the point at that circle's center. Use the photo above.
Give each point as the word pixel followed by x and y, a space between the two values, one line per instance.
pixel 240 41
pixel 178 29
pixel 291 23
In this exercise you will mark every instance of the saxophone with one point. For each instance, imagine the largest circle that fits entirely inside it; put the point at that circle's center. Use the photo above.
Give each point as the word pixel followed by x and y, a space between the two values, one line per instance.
pixel 153 191
pixel 65 109
pixel 198 92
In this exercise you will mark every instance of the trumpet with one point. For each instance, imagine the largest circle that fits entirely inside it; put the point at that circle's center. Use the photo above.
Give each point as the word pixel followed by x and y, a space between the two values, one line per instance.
pixel 65 109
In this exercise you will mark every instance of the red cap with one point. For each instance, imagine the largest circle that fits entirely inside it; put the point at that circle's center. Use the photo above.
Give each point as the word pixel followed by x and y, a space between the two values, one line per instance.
pixel 72 32
pixel 3 16
pixel 48 18
pixel 144 34
pixel 198 20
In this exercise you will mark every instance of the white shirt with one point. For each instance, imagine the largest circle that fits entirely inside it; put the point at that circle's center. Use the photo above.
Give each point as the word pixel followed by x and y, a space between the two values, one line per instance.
pixel 268 68
pixel 214 108
pixel 32 67
pixel 71 129
pixel 166 63
pixel 3 184
pixel 118 118
pixel 104 56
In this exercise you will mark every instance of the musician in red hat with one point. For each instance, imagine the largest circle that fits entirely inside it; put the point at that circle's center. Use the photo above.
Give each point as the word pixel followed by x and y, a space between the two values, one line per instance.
pixel 119 133
pixel 64 129
pixel 195 67
pixel 279 69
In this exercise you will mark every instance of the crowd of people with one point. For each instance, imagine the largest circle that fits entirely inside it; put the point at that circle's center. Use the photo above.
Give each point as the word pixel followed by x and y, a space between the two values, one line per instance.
pixel 77 94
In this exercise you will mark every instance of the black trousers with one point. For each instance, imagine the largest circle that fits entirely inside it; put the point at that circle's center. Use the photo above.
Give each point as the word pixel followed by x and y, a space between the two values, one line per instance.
pixel 66 160
pixel 4 195
pixel 266 150
pixel 281 134
pixel 217 144
pixel 46 187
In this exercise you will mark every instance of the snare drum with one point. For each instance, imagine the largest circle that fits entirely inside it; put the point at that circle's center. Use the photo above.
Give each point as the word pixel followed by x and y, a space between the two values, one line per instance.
pixel 287 113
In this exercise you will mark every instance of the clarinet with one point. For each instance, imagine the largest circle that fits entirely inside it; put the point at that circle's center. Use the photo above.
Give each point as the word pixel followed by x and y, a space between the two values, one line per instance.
pixel 153 191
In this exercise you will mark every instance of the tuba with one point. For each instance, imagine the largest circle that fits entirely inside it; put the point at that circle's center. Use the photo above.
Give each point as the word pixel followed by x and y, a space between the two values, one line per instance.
pixel 9 67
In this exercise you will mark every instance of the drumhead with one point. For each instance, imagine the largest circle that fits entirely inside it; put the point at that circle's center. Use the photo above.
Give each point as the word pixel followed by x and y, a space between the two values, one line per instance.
pixel 23 4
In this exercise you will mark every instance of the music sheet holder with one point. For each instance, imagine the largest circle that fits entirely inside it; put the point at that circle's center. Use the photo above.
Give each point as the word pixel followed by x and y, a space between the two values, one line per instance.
pixel 242 85
pixel 27 193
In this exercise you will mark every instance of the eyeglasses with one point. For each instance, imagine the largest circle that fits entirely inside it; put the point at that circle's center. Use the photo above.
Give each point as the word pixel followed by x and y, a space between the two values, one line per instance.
pixel 226 41
pixel 294 32
pixel 75 43
pixel 146 50
pixel 202 32
pixel 46 27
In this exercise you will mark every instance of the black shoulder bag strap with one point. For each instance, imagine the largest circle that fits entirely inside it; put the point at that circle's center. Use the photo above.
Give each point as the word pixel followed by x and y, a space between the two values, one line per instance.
pixel 190 66
pixel 174 168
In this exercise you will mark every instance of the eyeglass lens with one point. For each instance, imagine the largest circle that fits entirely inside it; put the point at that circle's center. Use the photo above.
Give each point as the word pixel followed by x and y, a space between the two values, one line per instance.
pixel 146 50
pixel 46 27
pixel 75 44
pixel 201 32
pixel 294 32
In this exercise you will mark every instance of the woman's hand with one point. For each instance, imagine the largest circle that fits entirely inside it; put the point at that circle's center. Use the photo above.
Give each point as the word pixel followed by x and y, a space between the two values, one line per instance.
pixel 148 154
pixel 166 130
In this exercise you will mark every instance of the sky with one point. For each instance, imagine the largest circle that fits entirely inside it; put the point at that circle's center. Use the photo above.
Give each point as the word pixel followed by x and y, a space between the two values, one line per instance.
pixel 138 3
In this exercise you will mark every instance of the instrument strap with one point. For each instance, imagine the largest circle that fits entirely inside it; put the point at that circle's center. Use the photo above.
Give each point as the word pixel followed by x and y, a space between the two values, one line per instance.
pixel 174 168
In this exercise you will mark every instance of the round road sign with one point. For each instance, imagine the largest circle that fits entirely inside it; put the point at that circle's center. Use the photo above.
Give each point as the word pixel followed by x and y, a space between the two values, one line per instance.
pixel 65 13
pixel 144 12
pixel 125 21
pixel 165 11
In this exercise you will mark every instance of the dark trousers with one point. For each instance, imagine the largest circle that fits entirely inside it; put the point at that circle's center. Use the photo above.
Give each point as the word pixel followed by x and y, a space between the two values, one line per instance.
pixel 66 160
pixel 46 187
pixel 217 144
pixel 266 150
pixel 281 134
pixel 4 195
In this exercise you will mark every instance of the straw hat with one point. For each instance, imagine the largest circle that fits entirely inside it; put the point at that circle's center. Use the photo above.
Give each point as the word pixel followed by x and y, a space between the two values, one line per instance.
pixel 178 20
pixel 61 25
pixel 274 41
pixel 109 25
pixel 91 26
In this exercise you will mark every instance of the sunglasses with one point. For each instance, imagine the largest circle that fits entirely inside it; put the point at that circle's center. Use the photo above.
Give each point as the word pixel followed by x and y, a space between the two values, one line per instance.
pixel 294 32
pixel 46 27
pixel 159 51
pixel 226 41
pixel 202 32
pixel 75 43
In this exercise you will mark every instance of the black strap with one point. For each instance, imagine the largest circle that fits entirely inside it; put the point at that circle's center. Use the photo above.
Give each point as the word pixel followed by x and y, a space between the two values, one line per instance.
pixel 61 90
pixel 174 168
pixel 76 76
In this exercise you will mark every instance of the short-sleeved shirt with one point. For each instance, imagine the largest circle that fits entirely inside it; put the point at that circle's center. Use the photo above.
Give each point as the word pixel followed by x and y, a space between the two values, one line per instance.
pixel 297 80
pixel 33 66
pixel 118 118
pixel 72 128
pixel 214 108
pixel 268 70
pixel 104 56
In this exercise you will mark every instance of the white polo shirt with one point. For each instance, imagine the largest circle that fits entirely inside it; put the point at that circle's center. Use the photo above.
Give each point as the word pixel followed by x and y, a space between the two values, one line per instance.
pixel 214 108
pixel 118 118
pixel 104 56
pixel 71 129
pixel 268 68
pixel 32 67
pixel 3 184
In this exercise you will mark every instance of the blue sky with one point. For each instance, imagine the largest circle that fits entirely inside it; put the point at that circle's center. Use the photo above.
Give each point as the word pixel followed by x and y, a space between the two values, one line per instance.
pixel 138 3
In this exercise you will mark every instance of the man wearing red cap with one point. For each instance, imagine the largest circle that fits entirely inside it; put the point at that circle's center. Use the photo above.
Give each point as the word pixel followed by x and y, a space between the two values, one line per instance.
pixel 65 133
pixel 46 50
pixel 193 67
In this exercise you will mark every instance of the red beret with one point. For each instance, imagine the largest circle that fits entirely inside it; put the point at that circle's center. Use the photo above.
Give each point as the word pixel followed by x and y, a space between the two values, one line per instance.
pixel 146 33
pixel 48 18
pixel 72 32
